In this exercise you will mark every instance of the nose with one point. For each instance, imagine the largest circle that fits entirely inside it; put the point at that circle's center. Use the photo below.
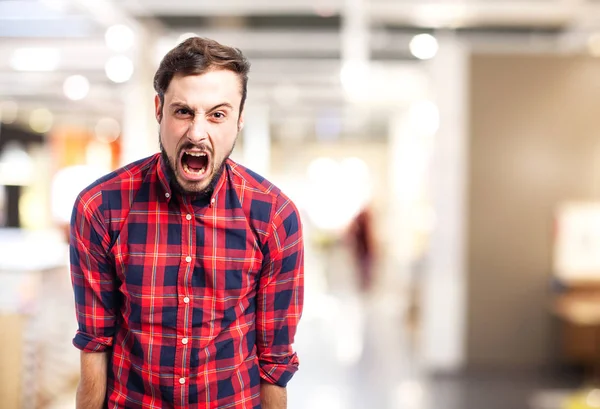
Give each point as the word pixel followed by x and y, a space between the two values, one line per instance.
pixel 198 130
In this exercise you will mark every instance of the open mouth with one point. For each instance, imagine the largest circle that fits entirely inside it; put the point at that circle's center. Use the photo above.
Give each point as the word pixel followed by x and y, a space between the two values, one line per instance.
pixel 194 164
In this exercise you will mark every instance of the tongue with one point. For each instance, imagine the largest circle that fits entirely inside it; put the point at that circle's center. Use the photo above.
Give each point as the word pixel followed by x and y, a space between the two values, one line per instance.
pixel 195 162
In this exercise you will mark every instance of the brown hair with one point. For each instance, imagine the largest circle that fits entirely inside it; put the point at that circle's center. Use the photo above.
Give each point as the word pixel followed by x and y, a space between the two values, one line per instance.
pixel 196 56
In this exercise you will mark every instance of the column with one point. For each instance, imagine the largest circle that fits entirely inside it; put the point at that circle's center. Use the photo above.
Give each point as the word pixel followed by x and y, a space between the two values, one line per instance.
pixel 355 50
pixel 139 137
pixel 256 142
pixel 355 32
pixel 406 181
pixel 444 293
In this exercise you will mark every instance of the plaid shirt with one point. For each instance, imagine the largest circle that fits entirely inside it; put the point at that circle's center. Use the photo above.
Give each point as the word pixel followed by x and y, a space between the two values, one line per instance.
pixel 197 299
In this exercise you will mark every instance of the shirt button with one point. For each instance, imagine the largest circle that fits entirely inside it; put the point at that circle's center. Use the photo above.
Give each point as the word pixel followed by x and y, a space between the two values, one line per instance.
pixel 188 259
pixel 188 217
pixel 167 195
pixel 182 380
pixel 186 300
pixel 212 202
pixel 184 341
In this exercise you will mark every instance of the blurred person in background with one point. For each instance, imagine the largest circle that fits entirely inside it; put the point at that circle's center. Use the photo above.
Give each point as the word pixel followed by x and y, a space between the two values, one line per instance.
pixel 362 246
pixel 187 268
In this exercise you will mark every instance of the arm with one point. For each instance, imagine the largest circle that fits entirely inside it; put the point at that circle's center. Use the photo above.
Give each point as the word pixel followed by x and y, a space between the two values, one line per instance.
pixel 272 396
pixel 92 385
pixel 93 279
pixel 279 303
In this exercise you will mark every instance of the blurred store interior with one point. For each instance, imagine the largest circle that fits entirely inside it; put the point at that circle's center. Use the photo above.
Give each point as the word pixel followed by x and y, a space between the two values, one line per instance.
pixel 456 142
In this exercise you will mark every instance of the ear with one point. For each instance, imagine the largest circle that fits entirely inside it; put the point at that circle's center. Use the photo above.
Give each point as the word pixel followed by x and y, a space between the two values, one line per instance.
pixel 157 108
pixel 241 122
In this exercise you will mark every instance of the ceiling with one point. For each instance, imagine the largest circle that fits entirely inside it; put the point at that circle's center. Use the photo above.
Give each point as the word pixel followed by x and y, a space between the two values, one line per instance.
pixel 296 47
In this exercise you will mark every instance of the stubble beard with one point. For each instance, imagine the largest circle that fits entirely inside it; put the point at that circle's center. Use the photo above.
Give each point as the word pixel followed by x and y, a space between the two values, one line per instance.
pixel 171 165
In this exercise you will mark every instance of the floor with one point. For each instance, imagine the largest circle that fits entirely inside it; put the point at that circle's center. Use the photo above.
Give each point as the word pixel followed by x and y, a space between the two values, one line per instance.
pixel 355 353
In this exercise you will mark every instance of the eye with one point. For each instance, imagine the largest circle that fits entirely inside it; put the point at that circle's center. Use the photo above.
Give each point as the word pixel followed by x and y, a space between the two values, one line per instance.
pixel 183 112
pixel 219 115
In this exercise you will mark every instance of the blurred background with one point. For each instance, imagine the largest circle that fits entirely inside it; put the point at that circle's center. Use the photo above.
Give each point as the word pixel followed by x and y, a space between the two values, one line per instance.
pixel 444 156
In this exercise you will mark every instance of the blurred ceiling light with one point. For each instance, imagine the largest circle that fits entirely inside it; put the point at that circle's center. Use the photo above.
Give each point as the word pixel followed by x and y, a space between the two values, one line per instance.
pixel 424 46
pixel 76 87
pixel 8 111
pixel 35 59
pixel 425 117
pixel 119 37
pixel 594 45
pixel 40 120
pixel 119 68
pixel 16 166
pixel 107 130
pixel 185 36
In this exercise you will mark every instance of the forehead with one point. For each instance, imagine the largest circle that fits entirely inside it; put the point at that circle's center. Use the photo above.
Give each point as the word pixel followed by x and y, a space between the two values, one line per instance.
pixel 215 86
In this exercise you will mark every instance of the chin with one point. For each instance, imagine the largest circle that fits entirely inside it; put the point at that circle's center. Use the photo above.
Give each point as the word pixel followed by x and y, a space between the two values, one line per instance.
pixel 193 187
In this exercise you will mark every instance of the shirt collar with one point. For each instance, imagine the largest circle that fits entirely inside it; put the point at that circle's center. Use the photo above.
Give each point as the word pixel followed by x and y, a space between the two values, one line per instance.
pixel 163 177
pixel 221 181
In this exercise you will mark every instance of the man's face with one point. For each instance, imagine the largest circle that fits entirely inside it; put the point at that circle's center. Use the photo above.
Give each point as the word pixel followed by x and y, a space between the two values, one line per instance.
pixel 199 123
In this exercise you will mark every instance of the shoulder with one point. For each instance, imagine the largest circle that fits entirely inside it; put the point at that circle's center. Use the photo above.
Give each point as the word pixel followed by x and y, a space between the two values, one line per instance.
pixel 109 188
pixel 267 202
pixel 252 179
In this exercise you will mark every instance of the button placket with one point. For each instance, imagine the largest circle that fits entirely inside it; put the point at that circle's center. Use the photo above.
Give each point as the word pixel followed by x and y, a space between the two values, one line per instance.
pixel 186 219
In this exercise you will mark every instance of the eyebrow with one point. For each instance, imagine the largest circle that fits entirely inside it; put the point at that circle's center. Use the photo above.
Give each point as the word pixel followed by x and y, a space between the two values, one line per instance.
pixel 179 104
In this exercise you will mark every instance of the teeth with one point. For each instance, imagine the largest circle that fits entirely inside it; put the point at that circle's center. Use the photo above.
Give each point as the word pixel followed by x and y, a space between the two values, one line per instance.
pixel 193 172
pixel 197 154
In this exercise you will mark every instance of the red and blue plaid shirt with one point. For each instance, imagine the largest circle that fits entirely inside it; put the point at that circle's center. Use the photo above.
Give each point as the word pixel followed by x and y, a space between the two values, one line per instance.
pixel 196 299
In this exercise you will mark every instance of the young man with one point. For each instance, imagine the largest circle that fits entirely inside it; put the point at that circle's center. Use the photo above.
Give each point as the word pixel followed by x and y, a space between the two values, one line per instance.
pixel 187 268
